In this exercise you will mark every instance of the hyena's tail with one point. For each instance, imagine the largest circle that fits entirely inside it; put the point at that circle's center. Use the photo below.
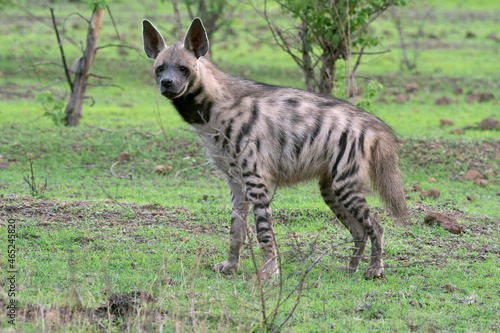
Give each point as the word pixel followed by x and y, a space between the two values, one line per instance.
pixel 386 176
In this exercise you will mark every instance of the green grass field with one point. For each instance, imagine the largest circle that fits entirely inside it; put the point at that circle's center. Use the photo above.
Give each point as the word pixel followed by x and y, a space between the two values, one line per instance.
pixel 99 253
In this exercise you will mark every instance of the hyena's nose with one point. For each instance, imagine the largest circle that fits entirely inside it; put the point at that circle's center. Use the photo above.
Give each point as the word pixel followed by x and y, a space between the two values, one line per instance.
pixel 166 82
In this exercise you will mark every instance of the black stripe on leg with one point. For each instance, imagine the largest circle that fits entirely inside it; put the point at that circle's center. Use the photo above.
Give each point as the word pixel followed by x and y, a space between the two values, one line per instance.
pixel 227 134
pixel 352 152
pixel 342 147
pixel 366 214
pixel 346 195
pixel 262 205
pixel 348 173
pixel 351 202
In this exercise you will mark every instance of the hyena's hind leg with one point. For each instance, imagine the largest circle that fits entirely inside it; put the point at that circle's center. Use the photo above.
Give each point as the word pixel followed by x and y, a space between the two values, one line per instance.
pixel 351 196
pixel 357 231
pixel 238 231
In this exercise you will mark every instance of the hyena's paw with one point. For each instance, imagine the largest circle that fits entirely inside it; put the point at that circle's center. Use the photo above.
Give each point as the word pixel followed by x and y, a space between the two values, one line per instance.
pixel 374 272
pixel 225 267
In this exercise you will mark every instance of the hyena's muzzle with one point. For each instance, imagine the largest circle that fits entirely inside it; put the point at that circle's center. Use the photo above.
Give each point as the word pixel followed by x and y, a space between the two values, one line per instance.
pixel 172 80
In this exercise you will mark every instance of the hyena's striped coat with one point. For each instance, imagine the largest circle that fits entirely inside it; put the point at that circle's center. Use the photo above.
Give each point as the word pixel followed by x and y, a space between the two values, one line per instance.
pixel 260 136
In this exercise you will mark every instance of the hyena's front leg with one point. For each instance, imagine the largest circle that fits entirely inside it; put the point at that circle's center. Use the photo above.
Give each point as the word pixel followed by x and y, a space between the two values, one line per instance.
pixel 239 223
pixel 257 193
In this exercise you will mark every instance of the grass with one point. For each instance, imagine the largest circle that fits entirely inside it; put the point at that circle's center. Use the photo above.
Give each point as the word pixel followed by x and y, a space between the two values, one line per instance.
pixel 89 242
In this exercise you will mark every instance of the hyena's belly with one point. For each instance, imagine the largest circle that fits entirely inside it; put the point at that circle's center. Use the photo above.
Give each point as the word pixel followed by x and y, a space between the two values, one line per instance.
pixel 289 171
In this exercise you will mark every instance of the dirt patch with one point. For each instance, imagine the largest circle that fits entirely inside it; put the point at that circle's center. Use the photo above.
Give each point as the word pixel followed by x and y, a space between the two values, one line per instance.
pixel 14 92
pixel 57 213
pixel 476 155
pixel 431 193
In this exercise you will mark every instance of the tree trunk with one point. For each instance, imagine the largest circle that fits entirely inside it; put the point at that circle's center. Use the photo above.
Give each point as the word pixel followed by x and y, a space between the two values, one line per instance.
pixel 327 73
pixel 74 107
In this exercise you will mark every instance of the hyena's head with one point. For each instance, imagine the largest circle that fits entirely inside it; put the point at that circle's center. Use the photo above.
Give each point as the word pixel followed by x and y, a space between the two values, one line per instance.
pixel 175 66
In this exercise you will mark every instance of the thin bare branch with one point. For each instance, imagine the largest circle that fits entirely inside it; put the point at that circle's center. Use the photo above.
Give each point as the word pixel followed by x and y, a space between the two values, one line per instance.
pixel 92 100
pixel 302 280
pixel 178 19
pixel 105 85
pixel 129 176
pixel 61 50
pixel 146 134
pixel 358 61
pixel 35 65
pixel 116 45
pixel 113 21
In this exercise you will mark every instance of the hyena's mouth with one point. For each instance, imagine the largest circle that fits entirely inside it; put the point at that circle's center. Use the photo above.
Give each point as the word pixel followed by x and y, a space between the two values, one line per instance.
pixel 169 94
pixel 173 95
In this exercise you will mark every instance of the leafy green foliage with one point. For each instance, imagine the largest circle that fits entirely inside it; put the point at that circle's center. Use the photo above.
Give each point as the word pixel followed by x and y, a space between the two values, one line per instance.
pixel 370 95
pixel 97 3
pixel 54 107
pixel 329 30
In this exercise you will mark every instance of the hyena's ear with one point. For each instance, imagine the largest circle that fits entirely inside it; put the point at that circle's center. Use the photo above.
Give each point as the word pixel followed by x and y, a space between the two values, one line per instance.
pixel 196 39
pixel 152 39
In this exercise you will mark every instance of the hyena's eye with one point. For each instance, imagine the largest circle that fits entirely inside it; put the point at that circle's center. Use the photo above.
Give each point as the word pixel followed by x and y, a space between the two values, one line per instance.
pixel 160 69
pixel 182 68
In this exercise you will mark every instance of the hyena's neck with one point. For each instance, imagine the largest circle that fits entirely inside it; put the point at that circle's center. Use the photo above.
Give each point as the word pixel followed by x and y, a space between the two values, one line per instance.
pixel 203 92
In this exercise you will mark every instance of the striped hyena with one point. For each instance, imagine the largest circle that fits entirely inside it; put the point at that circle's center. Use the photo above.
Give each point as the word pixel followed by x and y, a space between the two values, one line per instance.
pixel 260 136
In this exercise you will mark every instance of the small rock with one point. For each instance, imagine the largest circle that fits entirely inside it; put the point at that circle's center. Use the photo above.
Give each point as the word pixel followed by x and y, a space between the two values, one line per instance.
pixel 488 123
pixel 160 170
pixel 480 182
pixel 458 91
pixel 443 101
pixel 457 131
pixel 446 121
pixel 431 193
pixel 479 97
pixel 470 175
pixel 411 88
pixel 448 223
pixel 400 98
pixel 471 197
pixel 431 180
pixel 123 157
pixel 470 34
pixel 414 188
pixel 493 36
pixel 450 288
